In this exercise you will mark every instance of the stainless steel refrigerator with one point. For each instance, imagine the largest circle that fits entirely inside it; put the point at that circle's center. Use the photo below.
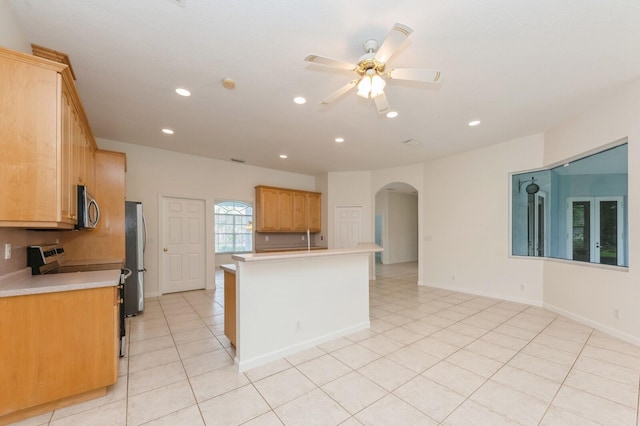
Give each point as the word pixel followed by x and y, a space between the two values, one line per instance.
pixel 135 240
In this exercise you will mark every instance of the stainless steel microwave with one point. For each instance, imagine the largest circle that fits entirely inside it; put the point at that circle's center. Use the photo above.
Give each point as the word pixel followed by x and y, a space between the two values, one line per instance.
pixel 88 209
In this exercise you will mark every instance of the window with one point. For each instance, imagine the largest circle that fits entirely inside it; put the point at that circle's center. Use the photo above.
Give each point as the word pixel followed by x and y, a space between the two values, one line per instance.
pixel 233 227
pixel 576 211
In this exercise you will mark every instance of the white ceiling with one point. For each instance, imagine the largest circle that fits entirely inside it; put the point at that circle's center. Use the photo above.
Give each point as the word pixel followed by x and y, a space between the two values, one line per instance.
pixel 519 66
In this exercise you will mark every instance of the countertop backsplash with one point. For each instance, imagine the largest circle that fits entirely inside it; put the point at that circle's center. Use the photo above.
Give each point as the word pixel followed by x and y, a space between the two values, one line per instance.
pixel 267 240
pixel 19 240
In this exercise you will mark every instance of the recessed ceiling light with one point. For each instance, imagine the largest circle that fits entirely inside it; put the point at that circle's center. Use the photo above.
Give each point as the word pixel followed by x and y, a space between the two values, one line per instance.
pixel 283 156
pixel 392 114
pixel 474 123
pixel 299 100
pixel 339 140
pixel 167 131
pixel 228 83
pixel 183 92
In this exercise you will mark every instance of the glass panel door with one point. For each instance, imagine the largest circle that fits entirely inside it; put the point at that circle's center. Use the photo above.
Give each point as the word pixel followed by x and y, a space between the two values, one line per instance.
pixel 581 230
pixel 596 231
pixel 608 246
pixel 540 225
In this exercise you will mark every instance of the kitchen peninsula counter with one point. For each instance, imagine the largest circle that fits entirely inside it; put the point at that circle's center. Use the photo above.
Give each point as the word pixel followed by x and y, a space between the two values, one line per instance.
pixel 290 301
pixel 304 253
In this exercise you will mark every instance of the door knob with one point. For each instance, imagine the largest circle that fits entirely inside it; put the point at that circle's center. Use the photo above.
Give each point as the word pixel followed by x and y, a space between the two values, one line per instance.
pixel 165 249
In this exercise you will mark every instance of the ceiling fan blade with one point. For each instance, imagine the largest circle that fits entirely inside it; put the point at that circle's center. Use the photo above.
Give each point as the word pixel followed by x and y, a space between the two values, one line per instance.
pixel 382 104
pixel 415 74
pixel 335 63
pixel 398 35
pixel 341 91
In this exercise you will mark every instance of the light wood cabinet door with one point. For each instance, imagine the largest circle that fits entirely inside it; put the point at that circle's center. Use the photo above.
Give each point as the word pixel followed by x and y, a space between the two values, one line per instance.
pixel 313 211
pixel 68 207
pixel 230 306
pixel 267 209
pixel 44 132
pixel 299 211
pixel 28 142
pixel 274 209
pixel 285 210
pixel 56 345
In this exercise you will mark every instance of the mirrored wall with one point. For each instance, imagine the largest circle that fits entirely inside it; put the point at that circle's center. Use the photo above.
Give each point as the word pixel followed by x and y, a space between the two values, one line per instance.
pixel 576 211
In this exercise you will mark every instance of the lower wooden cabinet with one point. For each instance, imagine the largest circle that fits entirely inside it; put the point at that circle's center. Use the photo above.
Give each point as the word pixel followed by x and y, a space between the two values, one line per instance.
pixel 230 306
pixel 56 346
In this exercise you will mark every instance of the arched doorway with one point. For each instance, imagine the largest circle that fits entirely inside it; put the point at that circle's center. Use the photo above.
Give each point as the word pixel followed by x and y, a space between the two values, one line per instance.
pixel 396 223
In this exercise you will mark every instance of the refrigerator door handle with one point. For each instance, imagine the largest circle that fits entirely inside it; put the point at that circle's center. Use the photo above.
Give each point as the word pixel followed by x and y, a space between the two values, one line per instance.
pixel 144 235
pixel 127 273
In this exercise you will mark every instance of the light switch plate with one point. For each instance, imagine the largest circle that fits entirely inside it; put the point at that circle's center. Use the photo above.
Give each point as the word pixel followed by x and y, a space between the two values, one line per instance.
pixel 7 251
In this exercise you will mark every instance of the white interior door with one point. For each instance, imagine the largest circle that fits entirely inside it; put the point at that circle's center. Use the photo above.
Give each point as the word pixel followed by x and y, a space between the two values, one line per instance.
pixel 348 226
pixel 183 244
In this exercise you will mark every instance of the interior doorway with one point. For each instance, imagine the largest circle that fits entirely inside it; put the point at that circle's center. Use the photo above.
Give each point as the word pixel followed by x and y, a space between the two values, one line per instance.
pixel 183 244
pixel 396 208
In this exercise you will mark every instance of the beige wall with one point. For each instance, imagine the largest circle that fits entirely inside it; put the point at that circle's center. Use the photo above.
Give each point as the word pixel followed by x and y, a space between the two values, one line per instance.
pixel 153 173
pixel 586 292
pixel 466 208
pixel 11 35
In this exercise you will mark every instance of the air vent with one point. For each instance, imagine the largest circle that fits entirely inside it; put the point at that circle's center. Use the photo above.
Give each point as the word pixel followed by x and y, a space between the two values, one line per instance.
pixel 237 160
pixel 180 3
pixel 412 142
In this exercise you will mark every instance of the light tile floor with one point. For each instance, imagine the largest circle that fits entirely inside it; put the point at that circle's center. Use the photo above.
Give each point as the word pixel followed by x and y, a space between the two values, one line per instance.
pixel 430 357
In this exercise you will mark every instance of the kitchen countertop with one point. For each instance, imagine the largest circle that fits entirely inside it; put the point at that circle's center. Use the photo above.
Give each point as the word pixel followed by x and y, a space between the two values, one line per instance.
pixel 281 255
pixel 21 283
pixel 230 267
pixel 301 248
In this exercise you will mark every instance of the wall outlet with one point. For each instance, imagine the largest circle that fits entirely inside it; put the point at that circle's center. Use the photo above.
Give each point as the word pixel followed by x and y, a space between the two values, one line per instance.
pixel 266 238
pixel 321 237
pixel 7 251
pixel 616 313
pixel 303 238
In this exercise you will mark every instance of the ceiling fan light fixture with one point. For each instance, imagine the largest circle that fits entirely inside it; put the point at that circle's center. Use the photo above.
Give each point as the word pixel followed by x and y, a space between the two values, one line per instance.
pixel 371 84
pixel 377 85
pixel 364 87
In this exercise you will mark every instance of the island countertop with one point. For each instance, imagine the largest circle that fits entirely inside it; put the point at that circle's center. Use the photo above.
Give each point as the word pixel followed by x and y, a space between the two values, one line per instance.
pixel 258 257
pixel 21 283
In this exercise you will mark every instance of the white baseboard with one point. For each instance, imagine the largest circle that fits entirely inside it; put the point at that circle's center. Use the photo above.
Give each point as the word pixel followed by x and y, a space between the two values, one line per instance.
pixel 598 326
pixel 500 296
pixel 289 350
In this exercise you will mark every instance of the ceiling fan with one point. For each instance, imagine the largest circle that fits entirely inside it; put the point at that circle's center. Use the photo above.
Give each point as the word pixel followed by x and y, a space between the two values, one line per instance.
pixel 372 69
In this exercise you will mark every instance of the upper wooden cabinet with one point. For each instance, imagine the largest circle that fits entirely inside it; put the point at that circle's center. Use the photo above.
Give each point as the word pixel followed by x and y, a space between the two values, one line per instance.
pixel 287 210
pixel 48 145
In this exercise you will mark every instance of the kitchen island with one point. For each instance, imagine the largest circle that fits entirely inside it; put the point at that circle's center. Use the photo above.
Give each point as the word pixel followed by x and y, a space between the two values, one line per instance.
pixel 290 301
pixel 60 340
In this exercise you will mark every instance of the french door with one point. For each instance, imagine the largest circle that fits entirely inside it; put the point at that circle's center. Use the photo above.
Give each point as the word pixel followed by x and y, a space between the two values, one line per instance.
pixel 595 230
pixel 537 225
